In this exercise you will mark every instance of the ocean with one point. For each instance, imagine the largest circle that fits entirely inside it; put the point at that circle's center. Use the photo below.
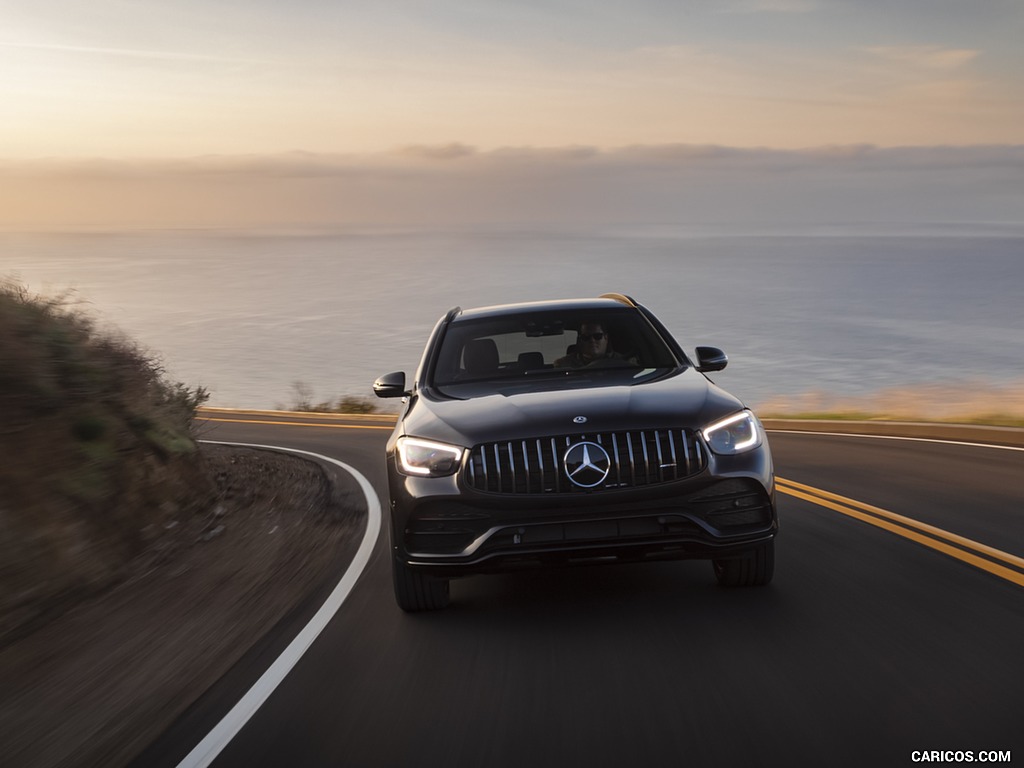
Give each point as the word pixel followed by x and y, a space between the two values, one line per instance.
pixel 802 315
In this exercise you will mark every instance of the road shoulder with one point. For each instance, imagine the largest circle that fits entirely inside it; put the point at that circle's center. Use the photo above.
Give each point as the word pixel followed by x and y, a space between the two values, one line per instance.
pixel 99 683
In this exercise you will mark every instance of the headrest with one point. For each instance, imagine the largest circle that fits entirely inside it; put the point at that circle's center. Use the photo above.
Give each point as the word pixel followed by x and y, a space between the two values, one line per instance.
pixel 480 356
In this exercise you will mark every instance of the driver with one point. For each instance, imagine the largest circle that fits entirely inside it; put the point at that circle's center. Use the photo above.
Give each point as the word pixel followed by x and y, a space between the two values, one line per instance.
pixel 592 344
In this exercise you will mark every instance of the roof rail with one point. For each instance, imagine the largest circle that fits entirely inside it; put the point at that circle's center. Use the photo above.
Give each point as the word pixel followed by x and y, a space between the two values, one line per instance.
pixel 619 297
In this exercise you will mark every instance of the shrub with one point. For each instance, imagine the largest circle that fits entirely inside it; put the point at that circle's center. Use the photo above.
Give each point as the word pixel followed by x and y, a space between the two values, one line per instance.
pixel 303 401
pixel 98 447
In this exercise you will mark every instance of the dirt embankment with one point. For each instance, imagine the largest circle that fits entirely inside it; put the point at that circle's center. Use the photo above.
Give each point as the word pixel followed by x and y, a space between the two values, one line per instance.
pixel 98 677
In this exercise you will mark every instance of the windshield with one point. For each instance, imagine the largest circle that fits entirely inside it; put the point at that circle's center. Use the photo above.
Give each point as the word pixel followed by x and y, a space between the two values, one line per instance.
pixel 551 344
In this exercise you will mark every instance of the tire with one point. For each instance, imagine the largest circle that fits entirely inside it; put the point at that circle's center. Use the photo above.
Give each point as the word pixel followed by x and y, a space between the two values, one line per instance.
pixel 415 591
pixel 752 569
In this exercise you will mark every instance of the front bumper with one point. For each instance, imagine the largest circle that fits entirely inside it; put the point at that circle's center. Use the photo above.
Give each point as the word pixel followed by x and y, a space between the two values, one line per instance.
pixel 441 526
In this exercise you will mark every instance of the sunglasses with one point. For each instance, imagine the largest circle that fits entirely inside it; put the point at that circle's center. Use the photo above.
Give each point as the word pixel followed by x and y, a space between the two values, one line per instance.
pixel 594 336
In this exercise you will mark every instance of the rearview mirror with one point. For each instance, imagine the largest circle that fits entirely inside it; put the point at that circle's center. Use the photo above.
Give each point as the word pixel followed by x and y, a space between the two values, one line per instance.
pixel 390 385
pixel 710 359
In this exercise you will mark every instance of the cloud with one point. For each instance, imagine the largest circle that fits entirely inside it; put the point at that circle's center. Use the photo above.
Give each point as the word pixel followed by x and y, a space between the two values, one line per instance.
pixel 455 157
pixel 457 185
pixel 127 52
pixel 452 151
pixel 926 57
pixel 770 6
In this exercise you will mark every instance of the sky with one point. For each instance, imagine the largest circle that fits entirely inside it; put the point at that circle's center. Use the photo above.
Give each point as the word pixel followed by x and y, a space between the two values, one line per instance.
pixel 146 106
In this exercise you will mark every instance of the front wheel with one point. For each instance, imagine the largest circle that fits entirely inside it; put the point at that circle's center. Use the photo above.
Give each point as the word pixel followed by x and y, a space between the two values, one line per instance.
pixel 751 569
pixel 416 591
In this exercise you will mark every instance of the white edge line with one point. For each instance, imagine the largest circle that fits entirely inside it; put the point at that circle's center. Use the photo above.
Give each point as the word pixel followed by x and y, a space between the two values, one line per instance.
pixel 217 739
pixel 892 437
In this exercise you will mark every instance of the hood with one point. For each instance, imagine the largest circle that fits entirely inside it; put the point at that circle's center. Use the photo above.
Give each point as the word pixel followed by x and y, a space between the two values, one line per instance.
pixel 683 399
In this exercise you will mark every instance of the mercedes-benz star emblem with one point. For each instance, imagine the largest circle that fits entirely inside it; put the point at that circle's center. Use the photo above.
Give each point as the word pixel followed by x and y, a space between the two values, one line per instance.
pixel 587 464
pixel 580 419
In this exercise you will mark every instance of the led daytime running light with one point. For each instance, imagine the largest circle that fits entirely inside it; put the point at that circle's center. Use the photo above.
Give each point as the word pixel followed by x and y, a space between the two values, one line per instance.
pixel 736 419
pixel 423 463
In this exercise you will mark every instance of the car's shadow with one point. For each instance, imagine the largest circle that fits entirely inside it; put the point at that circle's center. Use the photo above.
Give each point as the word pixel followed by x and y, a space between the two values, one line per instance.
pixel 635 593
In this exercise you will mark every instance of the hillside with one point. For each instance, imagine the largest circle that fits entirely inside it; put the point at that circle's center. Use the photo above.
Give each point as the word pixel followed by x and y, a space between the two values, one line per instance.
pixel 98 455
pixel 136 566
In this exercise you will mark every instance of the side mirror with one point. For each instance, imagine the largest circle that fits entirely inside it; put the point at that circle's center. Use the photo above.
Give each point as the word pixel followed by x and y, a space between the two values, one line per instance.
pixel 710 359
pixel 390 385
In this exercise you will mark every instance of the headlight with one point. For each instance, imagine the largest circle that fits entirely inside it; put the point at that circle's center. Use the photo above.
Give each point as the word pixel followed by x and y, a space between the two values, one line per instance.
pixel 425 457
pixel 734 434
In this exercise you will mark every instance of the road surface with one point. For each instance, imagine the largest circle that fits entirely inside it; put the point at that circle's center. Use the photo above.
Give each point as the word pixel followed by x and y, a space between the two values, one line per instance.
pixel 894 626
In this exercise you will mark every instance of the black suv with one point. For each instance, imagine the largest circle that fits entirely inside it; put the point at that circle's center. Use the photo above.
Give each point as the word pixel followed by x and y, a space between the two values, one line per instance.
pixel 568 432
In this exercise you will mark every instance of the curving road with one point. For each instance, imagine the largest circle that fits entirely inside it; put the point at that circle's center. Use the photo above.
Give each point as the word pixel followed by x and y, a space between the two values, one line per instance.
pixel 895 624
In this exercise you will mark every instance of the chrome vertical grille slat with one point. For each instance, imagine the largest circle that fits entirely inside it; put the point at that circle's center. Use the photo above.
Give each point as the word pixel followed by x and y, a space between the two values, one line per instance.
pixel 615 459
pixel 540 466
pixel 535 465
pixel 483 468
pixel 672 449
pixel 647 458
pixel 497 466
pixel 555 463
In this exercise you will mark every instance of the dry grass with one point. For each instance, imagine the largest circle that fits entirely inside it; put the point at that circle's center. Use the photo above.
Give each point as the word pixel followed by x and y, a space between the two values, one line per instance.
pixel 304 401
pixel 973 402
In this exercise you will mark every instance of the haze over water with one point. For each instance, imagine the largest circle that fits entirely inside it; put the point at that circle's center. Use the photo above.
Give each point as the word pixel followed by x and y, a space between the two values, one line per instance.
pixel 848 314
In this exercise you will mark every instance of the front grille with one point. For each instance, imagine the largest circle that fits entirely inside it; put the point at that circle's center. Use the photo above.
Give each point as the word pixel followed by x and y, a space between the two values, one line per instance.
pixel 638 458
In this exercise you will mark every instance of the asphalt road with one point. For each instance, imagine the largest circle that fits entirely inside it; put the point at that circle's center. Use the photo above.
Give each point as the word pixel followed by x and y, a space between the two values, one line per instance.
pixel 867 647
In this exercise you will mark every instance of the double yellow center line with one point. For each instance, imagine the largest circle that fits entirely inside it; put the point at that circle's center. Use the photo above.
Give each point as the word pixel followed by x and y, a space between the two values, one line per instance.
pixel 997 562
